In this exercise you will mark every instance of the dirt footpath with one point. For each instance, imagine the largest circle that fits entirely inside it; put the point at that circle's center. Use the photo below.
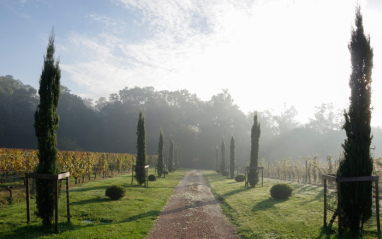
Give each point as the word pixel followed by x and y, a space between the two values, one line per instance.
pixel 192 212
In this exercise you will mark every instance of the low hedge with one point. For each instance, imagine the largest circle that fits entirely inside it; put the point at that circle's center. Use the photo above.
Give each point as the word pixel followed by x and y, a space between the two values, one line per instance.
pixel 152 177
pixel 281 191
pixel 115 192
pixel 240 178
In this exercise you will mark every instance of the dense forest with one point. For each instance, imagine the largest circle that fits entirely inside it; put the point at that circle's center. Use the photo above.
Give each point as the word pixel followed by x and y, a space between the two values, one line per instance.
pixel 197 127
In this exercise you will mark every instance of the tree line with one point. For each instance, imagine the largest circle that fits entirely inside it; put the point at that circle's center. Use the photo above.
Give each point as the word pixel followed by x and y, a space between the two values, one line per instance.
pixel 196 126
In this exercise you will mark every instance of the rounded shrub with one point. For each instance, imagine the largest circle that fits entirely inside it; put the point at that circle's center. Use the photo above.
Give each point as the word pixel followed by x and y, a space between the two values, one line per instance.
pixel 240 178
pixel 165 172
pixel 152 177
pixel 115 192
pixel 281 191
pixel 225 173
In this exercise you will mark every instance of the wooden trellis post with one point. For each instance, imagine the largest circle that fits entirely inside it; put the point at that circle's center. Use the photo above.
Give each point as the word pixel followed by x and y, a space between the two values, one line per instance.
pixel 339 181
pixel 147 174
pixel 247 169
pixel 55 177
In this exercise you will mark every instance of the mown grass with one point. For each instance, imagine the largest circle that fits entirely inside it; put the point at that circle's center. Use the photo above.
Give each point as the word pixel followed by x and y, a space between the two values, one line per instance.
pixel 256 215
pixel 93 215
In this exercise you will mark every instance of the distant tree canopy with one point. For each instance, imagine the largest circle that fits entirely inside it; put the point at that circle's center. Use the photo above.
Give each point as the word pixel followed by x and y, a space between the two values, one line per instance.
pixel 197 127
pixel 18 103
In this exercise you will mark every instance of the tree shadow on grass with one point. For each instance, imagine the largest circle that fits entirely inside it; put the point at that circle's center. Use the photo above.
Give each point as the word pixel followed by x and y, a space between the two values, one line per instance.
pixel 217 179
pixel 268 203
pixel 318 195
pixel 93 200
pixel 84 189
pixel 234 192
pixel 134 185
pixel 304 187
pixel 152 214
pixel 327 232
pixel 234 182
pixel 36 231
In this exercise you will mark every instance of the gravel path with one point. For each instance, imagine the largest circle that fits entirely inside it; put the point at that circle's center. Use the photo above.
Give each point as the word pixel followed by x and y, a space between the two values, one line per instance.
pixel 192 212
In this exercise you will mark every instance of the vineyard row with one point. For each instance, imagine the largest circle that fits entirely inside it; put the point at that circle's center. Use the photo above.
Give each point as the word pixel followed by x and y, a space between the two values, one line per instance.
pixel 79 164
pixel 307 170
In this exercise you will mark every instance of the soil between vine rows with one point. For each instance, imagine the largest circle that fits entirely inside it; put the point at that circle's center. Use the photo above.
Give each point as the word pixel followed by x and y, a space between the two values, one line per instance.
pixel 192 212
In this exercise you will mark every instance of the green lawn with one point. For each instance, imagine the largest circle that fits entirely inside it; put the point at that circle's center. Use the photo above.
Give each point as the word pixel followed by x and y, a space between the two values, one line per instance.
pixel 256 215
pixel 93 215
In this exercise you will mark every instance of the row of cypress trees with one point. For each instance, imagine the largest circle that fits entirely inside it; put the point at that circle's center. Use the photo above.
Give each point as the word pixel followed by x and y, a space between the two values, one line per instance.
pixel 141 161
pixel 232 160
pixel 173 159
pixel 253 176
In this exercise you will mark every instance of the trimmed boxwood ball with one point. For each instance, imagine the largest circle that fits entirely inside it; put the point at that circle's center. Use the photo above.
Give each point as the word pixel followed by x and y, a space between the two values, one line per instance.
pixel 240 178
pixel 152 177
pixel 281 191
pixel 115 192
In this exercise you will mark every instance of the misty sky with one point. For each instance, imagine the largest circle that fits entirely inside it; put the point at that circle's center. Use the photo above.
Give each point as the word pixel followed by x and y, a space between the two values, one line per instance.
pixel 265 52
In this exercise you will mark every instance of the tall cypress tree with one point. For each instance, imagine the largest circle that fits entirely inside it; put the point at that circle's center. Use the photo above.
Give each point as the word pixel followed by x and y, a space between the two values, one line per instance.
pixel 222 163
pixel 176 158
pixel 232 158
pixel 217 158
pixel 160 154
pixel 46 124
pixel 140 171
pixel 253 177
pixel 171 156
pixel 356 198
